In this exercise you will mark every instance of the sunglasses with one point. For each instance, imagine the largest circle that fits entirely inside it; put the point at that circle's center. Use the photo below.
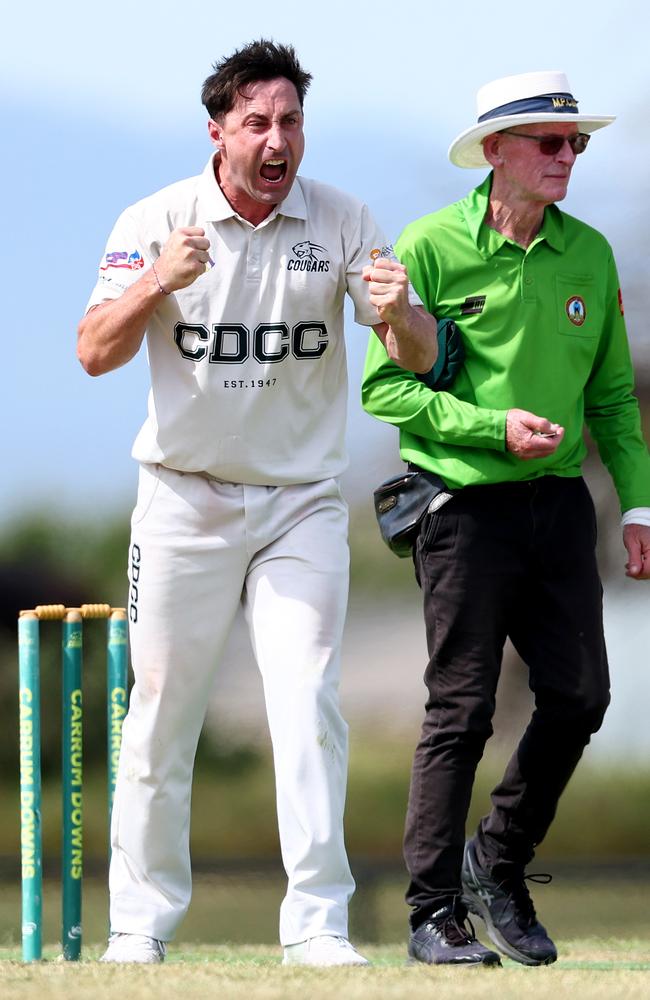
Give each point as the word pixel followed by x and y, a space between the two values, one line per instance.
pixel 550 145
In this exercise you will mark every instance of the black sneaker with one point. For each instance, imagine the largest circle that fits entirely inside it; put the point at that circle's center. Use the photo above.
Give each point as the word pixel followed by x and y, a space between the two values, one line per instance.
pixel 447 938
pixel 508 912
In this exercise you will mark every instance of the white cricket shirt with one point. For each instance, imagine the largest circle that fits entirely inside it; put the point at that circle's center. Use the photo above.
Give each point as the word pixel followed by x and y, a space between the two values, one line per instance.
pixel 248 365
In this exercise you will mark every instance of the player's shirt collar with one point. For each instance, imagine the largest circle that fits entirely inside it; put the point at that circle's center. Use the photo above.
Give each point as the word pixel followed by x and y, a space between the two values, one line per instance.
pixel 215 207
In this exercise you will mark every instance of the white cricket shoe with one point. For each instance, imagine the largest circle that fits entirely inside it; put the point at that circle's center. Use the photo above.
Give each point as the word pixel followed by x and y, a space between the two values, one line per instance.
pixel 134 948
pixel 326 949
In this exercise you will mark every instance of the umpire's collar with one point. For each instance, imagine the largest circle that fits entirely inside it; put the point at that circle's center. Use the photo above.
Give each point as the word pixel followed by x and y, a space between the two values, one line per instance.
pixel 488 241
pixel 215 207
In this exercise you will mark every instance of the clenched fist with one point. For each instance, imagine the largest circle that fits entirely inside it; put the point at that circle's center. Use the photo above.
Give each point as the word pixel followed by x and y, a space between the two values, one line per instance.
pixel 183 258
pixel 389 286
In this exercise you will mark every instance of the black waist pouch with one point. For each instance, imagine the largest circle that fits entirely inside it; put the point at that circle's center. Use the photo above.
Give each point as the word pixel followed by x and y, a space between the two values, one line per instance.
pixel 401 504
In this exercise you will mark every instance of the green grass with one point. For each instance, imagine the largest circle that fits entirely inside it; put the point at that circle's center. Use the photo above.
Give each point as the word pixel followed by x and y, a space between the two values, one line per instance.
pixel 602 928
pixel 240 909
pixel 601 924
pixel 587 970
pixel 242 906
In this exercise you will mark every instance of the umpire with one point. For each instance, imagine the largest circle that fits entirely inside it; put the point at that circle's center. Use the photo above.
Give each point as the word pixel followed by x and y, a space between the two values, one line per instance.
pixel 535 295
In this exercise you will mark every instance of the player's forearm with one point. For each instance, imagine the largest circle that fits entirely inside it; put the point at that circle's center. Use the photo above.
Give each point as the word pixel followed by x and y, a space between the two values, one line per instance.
pixel 111 334
pixel 411 341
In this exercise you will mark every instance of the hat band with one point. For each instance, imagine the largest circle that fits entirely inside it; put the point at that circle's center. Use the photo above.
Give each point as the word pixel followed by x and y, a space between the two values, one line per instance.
pixel 560 104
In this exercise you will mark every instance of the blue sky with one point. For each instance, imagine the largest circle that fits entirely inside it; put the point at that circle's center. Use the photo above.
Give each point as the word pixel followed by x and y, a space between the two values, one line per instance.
pixel 100 106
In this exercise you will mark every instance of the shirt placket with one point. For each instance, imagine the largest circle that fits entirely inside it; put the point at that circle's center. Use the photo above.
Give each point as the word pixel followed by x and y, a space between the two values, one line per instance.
pixel 253 260
pixel 527 280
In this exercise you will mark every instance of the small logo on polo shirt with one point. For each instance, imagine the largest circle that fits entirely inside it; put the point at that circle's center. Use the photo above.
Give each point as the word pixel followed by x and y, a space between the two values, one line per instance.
pixel 308 257
pixel 576 310
pixel 620 302
pixel 122 258
pixel 473 305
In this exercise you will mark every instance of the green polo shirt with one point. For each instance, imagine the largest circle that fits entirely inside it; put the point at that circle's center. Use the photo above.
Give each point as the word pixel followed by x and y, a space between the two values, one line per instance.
pixel 543 331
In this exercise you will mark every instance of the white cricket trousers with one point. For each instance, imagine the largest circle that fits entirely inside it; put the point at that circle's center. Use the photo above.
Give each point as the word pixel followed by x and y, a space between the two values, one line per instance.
pixel 198 548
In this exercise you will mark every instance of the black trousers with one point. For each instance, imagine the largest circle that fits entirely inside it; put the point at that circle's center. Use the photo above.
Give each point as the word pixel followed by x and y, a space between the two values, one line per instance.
pixel 515 560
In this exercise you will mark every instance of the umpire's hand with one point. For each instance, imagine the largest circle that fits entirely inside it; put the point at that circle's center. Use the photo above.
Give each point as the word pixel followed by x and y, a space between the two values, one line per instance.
pixel 529 436
pixel 636 538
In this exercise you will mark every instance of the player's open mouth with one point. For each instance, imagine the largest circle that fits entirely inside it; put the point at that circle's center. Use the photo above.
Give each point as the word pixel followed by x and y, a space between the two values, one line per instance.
pixel 273 170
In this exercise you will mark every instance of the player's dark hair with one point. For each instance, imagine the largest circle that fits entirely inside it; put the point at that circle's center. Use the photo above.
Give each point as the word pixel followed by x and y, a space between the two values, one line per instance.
pixel 260 60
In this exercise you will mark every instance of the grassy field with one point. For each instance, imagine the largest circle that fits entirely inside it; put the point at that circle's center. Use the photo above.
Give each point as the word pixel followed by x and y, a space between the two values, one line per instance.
pixel 243 907
pixel 602 927
pixel 599 915
pixel 588 970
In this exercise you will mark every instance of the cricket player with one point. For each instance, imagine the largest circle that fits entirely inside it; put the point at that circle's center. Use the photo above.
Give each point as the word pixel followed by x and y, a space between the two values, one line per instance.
pixel 237 279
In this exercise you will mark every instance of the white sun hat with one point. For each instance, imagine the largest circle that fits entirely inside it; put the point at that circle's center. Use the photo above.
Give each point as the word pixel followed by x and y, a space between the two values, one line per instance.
pixel 525 99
